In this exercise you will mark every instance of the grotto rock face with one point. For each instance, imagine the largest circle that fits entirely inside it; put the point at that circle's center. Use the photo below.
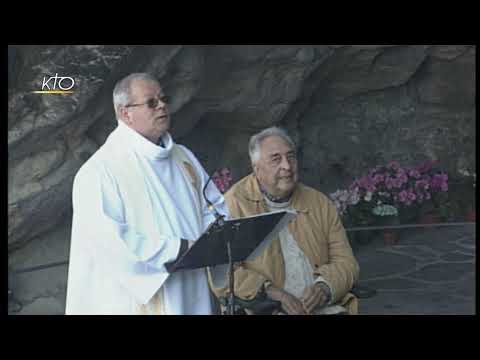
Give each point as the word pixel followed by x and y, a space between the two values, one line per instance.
pixel 349 107
pixel 46 133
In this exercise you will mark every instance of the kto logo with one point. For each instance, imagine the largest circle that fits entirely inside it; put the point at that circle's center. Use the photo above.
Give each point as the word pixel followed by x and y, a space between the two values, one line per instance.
pixel 60 85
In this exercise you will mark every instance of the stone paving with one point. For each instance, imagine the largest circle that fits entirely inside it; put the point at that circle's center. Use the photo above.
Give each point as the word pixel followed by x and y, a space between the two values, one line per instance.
pixel 427 272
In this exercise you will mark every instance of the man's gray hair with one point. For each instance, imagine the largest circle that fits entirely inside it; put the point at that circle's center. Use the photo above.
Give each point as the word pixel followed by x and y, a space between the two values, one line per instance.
pixel 122 92
pixel 256 141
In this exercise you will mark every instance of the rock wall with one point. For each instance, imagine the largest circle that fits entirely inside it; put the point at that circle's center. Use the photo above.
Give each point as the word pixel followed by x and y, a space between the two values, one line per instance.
pixel 349 107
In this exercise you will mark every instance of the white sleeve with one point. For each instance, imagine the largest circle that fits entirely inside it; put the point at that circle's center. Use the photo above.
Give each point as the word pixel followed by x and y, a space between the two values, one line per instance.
pixel 212 193
pixel 98 221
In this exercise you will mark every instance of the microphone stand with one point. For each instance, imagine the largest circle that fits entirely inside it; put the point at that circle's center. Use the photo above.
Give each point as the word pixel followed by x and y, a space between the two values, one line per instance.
pixel 236 227
pixel 231 281
pixel 218 225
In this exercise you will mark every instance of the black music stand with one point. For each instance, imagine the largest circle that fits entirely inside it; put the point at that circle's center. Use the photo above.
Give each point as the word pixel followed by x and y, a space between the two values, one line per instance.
pixel 230 241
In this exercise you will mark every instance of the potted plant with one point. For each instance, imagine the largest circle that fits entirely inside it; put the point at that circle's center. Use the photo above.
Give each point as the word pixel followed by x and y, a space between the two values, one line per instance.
pixel 353 213
pixel 392 194
pixel 436 206
pixel 389 193
pixel 387 215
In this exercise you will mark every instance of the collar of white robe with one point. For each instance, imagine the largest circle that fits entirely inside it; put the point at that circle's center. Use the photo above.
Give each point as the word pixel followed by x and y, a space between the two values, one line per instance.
pixel 145 146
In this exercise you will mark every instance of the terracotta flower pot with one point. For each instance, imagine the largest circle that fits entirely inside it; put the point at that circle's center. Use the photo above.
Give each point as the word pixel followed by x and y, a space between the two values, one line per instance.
pixel 362 237
pixel 390 237
pixel 470 216
pixel 429 219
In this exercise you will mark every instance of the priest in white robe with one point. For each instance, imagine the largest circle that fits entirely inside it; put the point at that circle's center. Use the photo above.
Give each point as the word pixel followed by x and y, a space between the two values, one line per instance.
pixel 137 206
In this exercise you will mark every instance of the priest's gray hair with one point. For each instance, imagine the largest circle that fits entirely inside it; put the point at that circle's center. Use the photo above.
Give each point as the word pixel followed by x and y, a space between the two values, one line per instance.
pixel 256 141
pixel 122 90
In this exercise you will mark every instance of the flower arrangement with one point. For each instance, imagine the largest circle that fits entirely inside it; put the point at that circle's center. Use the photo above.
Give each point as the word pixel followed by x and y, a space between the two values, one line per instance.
pixel 385 210
pixel 343 199
pixel 222 179
pixel 390 191
pixel 437 201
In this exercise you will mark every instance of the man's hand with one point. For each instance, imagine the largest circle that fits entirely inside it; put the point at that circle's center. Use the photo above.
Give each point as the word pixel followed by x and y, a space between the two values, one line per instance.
pixel 314 296
pixel 290 303
pixel 238 265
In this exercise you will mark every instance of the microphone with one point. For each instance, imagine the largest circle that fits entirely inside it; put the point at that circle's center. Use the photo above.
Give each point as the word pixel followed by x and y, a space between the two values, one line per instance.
pixel 218 218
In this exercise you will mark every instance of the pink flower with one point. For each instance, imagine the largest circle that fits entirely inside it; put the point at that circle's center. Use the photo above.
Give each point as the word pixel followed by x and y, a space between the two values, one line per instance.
pixel 414 173
pixel 403 196
pixel 402 177
pixel 222 179
pixel 440 181
pixel 389 183
pixel 354 186
pixel 394 165
pixel 363 182
pixel 377 179
pixel 354 197
pixel 425 167
pixel 422 184
pixel 411 195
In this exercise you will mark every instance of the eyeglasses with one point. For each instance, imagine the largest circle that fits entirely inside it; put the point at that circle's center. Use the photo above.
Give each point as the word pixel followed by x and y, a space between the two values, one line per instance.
pixel 153 102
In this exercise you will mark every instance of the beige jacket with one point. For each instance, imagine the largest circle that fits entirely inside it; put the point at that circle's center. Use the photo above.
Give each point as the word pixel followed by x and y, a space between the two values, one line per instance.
pixel 319 233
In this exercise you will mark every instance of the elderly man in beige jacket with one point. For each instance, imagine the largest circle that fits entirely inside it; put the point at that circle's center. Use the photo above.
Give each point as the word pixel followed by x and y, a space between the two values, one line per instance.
pixel 310 268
